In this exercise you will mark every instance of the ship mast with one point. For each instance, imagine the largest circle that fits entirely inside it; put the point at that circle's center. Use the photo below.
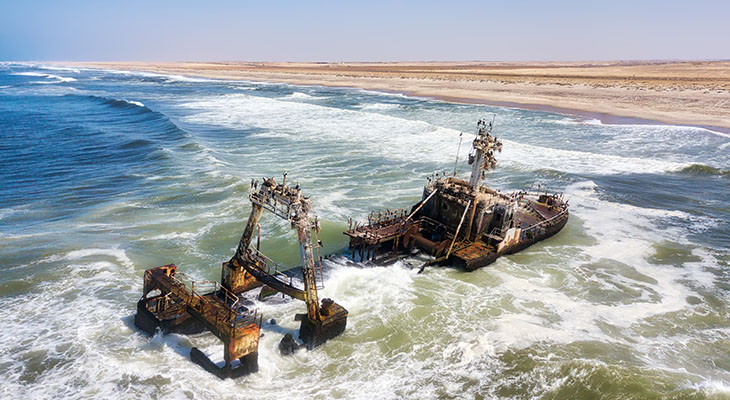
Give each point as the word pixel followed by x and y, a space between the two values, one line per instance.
pixel 482 157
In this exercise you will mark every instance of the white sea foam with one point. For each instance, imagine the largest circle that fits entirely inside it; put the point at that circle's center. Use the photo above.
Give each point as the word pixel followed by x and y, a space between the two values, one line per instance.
pixel 389 94
pixel 721 134
pixel 28 73
pixel 57 68
pixel 444 333
pixel 69 341
pixel 379 106
pixel 170 78
pixel 581 161
pixel 244 88
pixel 182 78
pixel 712 388
pixel 186 236
pixel 298 96
pixel 570 121
pixel 60 79
pixel 118 254
pixel 384 135
pixel 541 312
pixel 650 127
pixel 47 76
pixel 395 137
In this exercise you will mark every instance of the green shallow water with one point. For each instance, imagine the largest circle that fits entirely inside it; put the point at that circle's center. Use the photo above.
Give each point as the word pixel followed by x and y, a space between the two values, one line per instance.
pixel 113 173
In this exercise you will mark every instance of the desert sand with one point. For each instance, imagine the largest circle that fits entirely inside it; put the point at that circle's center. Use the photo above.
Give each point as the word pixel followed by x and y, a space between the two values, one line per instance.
pixel 685 93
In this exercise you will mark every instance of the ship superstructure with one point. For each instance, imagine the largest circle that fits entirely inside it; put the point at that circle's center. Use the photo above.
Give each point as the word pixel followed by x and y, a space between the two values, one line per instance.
pixel 462 222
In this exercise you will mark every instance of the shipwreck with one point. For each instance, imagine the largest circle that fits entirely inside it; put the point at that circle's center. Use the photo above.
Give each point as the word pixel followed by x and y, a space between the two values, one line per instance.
pixel 172 302
pixel 461 222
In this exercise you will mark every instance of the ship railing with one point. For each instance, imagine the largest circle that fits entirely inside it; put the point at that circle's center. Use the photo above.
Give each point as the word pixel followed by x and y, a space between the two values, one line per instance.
pixel 540 225
pixel 277 206
pixel 433 225
pixel 195 287
pixel 532 193
pixel 497 232
pixel 246 319
pixel 271 267
pixel 538 188
pixel 380 230
pixel 227 320
pixel 379 218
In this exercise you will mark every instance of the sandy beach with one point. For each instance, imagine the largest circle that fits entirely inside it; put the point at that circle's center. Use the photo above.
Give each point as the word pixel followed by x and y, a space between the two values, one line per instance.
pixel 683 93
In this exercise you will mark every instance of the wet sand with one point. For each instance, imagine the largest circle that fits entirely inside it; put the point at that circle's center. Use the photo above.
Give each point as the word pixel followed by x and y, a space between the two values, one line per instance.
pixel 682 93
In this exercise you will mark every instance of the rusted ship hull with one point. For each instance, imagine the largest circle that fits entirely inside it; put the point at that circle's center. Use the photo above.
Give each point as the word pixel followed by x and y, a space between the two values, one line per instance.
pixel 465 233
pixel 547 233
pixel 522 244
pixel 461 222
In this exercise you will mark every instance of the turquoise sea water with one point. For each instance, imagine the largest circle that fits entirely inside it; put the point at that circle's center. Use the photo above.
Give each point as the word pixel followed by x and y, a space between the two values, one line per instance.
pixel 104 174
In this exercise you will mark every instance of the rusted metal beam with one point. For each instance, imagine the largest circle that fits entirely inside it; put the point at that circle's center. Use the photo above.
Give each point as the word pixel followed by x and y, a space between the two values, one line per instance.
pixel 466 209
pixel 216 311
pixel 422 204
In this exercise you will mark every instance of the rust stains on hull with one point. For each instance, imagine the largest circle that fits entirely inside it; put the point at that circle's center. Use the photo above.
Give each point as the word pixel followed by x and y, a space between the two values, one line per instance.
pixel 173 303
pixel 461 222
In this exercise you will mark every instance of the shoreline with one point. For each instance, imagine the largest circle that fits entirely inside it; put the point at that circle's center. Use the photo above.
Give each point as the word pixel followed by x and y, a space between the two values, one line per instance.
pixel 613 101
pixel 604 118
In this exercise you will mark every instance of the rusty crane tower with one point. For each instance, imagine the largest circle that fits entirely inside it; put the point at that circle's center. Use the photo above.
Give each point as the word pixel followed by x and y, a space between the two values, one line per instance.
pixel 173 302
pixel 249 266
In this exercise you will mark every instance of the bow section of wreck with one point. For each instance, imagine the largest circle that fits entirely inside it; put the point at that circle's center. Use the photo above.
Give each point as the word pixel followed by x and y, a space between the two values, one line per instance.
pixel 461 222
pixel 172 302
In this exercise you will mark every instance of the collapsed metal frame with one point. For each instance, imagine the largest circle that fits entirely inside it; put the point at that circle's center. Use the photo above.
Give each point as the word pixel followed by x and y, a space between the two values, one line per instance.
pixel 323 320
pixel 179 306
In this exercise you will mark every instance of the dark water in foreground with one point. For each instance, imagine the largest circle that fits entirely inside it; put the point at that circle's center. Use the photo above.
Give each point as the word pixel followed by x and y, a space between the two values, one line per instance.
pixel 105 174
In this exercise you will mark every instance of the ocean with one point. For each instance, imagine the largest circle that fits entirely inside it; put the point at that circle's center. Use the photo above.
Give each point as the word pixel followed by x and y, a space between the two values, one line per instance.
pixel 104 174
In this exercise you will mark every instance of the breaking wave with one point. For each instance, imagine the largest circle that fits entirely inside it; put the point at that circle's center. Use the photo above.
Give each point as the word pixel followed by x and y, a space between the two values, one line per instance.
pixel 122 104
pixel 701 169
pixel 57 79
pixel 298 95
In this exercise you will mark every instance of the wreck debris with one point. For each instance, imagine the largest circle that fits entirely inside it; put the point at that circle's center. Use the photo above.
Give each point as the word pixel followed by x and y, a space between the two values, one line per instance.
pixel 462 222
pixel 176 305
pixel 172 302
pixel 321 322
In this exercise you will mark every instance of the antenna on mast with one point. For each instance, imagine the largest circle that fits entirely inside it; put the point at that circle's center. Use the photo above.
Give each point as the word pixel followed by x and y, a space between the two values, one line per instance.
pixel 461 134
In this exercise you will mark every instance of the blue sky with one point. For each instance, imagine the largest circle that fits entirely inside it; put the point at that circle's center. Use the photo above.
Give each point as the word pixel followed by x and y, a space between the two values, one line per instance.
pixel 134 30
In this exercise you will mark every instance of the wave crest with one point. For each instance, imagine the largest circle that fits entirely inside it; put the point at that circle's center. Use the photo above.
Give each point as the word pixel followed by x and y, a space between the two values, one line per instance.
pixel 123 103
pixel 701 169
